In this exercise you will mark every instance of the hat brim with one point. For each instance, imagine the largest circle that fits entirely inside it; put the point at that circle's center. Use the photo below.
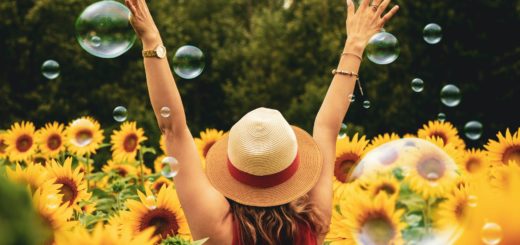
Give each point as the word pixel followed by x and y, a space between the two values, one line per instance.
pixel 306 176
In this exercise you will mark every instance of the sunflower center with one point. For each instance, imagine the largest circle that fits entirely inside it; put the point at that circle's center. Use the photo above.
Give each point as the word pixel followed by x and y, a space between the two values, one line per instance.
pixel 130 143
pixel 163 220
pixel 54 142
pixel 40 160
pixel 460 210
pixel 68 190
pixel 207 147
pixel 512 154
pixel 386 187
pixel 473 165
pixel 377 231
pixel 158 185
pixel 441 135
pixel 24 143
pixel 83 137
pixel 3 146
pixel 121 172
pixel 431 168
pixel 344 166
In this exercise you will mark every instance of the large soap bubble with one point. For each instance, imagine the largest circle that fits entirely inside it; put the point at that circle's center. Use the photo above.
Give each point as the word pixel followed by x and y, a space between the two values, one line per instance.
pixel 188 62
pixel 421 182
pixel 383 48
pixel 103 29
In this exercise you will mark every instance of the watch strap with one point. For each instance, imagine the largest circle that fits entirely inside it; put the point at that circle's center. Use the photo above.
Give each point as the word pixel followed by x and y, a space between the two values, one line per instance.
pixel 149 53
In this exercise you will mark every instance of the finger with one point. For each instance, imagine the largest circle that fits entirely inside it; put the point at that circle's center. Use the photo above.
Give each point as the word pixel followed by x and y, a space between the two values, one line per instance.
pixel 390 14
pixel 363 5
pixel 376 2
pixel 131 6
pixel 382 7
pixel 351 9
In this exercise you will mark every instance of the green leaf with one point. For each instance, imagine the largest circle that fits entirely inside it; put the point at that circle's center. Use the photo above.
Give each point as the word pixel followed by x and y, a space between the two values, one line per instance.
pixel 104 145
pixel 412 202
pixel 145 150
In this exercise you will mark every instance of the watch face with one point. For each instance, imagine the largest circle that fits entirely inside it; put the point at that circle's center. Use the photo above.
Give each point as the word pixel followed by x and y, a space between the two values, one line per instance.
pixel 161 51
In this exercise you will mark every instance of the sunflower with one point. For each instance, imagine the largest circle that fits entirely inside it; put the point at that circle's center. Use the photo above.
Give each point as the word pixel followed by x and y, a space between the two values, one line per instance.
pixel 409 136
pixel 126 142
pixel 88 207
pixel 73 185
pixel 385 183
pixel 381 139
pixel 206 141
pixel 55 216
pixel 84 135
pixel 348 153
pixel 163 212
pixel 39 158
pixel 500 176
pixel 20 141
pixel 444 130
pixel 452 213
pixel 51 139
pixel 506 149
pixel 366 220
pixel 121 169
pixel 3 146
pixel 157 184
pixel 34 175
pixel 474 162
pixel 430 171
pixel 105 234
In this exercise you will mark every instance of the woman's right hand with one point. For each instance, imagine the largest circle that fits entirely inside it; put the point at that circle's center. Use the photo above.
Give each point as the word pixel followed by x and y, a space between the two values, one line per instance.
pixel 142 21
pixel 364 22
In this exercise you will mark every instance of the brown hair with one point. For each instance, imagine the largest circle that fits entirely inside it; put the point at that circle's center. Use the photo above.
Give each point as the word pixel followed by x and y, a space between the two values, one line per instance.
pixel 277 224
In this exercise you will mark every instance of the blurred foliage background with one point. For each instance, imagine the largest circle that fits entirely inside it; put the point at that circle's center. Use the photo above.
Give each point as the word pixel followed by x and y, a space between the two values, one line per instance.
pixel 261 54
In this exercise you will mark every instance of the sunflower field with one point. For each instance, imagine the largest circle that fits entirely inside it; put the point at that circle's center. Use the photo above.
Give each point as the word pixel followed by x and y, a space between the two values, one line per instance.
pixel 429 187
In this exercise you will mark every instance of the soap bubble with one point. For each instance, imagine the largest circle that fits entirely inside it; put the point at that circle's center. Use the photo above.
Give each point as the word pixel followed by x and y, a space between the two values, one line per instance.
pixel 421 176
pixel 491 233
pixel 383 48
pixel 120 114
pixel 473 130
pixel 170 167
pixel 352 98
pixel 366 104
pixel 50 69
pixel 417 85
pixel 165 112
pixel 450 95
pixel 441 117
pixel 432 33
pixel 103 29
pixel 188 62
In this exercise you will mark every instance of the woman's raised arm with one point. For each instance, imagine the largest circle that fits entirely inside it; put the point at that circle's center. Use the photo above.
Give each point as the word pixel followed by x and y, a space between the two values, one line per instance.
pixel 361 26
pixel 205 208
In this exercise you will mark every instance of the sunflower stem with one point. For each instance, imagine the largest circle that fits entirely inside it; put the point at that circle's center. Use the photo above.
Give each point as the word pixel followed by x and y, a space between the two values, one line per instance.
pixel 88 170
pixel 427 224
pixel 141 163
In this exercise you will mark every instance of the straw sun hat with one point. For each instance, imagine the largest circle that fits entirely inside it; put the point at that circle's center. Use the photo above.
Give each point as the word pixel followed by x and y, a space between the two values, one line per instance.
pixel 263 161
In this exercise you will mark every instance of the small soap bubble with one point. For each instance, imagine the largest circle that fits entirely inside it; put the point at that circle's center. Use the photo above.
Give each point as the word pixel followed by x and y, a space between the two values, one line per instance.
pixel 165 112
pixel 120 114
pixel 473 130
pixel 366 104
pixel 432 33
pixel 50 69
pixel 417 85
pixel 450 95
pixel 170 167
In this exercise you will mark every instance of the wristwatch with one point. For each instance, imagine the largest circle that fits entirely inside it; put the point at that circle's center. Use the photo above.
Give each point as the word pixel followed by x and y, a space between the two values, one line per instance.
pixel 157 52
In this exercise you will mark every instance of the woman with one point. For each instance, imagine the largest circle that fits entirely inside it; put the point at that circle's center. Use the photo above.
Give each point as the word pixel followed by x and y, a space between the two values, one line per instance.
pixel 266 182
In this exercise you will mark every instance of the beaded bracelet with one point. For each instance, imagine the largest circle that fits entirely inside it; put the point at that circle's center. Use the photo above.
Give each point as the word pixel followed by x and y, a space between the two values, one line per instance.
pixel 352 74
pixel 346 73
